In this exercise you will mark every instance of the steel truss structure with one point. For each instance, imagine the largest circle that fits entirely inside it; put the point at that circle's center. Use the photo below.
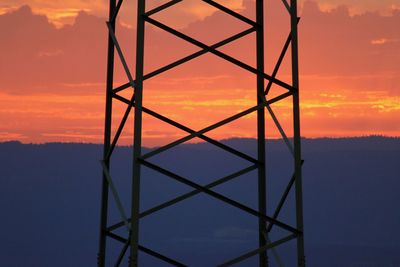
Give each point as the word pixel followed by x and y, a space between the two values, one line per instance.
pixel 265 81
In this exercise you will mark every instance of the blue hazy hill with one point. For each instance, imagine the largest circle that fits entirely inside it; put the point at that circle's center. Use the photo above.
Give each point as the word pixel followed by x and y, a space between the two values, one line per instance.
pixel 50 199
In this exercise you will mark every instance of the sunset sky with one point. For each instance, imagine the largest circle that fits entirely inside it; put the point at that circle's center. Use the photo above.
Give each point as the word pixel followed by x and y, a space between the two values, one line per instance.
pixel 53 62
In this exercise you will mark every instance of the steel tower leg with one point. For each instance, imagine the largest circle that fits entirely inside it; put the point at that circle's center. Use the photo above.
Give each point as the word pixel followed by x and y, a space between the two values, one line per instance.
pixel 137 133
pixel 107 143
pixel 262 194
pixel 297 134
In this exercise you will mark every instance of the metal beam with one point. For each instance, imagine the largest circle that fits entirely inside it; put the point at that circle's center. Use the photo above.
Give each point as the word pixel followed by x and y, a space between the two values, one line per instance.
pixel 200 134
pixel 188 58
pixel 116 11
pixel 297 134
pixel 286 4
pixel 148 251
pixel 162 7
pixel 219 196
pixel 187 195
pixel 122 254
pixel 232 13
pixel 101 255
pixel 280 128
pixel 137 136
pixel 262 179
pixel 280 60
pixel 211 127
pixel 282 200
pixel 257 251
pixel 120 128
pixel 216 52
pixel 179 126
pixel 115 195
pixel 203 131
pixel 120 54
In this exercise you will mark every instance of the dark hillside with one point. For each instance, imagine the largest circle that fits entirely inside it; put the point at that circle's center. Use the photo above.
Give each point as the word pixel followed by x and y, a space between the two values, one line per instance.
pixel 50 197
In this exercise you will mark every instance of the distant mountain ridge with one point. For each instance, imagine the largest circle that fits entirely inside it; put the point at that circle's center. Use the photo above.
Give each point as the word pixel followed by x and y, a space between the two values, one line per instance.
pixel 50 197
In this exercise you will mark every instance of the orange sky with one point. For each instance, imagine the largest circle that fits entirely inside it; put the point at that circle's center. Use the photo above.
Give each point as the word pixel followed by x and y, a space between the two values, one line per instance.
pixel 53 70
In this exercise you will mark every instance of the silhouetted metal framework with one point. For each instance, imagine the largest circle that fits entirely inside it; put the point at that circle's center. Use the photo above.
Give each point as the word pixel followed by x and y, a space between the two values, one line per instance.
pixel 265 81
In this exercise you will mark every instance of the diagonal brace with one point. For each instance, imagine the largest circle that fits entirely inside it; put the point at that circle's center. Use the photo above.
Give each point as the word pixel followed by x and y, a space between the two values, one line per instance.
pixel 122 254
pixel 120 128
pixel 214 126
pixel 257 251
pixel 120 54
pixel 162 7
pixel 148 251
pixel 280 59
pixel 218 196
pixel 201 136
pixel 283 199
pixel 116 196
pixel 280 129
pixel 187 129
pixel 188 58
pixel 187 195
pixel 216 52
pixel 209 128
pixel 231 12
pixel 117 8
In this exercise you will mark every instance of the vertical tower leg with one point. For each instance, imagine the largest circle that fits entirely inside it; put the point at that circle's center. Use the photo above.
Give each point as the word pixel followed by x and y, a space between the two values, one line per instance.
pixel 262 199
pixel 107 143
pixel 137 141
pixel 297 136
